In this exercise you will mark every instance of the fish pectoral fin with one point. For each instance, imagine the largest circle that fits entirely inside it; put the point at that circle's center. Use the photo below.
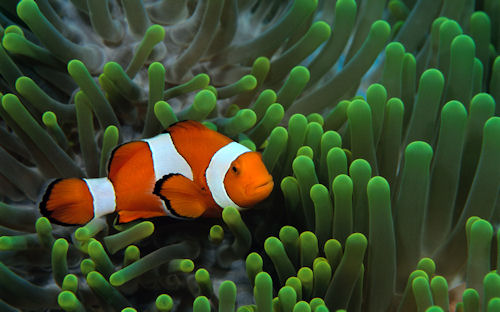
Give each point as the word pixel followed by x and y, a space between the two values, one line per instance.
pixel 181 196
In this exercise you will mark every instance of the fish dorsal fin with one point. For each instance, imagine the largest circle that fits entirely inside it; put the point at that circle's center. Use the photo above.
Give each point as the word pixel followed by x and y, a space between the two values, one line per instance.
pixel 122 154
pixel 186 125
pixel 197 144
pixel 182 196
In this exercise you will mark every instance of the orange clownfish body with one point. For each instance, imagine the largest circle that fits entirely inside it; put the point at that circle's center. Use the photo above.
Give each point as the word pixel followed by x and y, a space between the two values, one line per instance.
pixel 189 171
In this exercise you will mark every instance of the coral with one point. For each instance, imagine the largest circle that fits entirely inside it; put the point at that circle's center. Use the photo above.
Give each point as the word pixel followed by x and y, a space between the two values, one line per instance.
pixel 377 120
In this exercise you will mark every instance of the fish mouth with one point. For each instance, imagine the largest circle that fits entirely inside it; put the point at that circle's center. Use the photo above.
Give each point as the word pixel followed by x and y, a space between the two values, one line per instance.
pixel 264 188
pixel 256 192
pixel 265 184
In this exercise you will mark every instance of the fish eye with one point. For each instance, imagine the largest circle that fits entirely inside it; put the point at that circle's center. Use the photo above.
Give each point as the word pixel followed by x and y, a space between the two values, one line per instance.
pixel 235 170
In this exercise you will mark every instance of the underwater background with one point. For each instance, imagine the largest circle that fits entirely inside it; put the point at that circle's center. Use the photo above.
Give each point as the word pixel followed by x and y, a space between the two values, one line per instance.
pixel 376 118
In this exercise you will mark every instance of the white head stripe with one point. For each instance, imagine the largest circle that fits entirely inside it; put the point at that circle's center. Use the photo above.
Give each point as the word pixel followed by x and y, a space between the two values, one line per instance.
pixel 103 194
pixel 217 169
pixel 166 159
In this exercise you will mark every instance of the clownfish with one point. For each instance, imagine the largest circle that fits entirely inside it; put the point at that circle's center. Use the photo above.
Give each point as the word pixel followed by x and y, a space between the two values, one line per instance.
pixel 188 171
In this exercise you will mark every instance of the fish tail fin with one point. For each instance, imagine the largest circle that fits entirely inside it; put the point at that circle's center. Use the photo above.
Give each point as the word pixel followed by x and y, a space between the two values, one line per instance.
pixel 68 202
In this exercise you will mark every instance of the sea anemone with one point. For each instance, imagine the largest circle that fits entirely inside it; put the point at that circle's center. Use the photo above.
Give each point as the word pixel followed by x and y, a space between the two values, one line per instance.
pixel 377 121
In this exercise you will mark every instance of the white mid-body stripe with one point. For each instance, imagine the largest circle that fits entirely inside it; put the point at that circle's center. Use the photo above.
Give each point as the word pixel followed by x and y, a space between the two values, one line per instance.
pixel 217 169
pixel 103 194
pixel 166 158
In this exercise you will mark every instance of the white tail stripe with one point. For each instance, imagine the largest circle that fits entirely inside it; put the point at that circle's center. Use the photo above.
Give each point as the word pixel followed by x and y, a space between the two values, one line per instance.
pixel 217 169
pixel 103 194
pixel 166 158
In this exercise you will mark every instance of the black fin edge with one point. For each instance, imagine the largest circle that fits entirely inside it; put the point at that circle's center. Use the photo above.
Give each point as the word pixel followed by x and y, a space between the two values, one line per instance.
pixel 179 124
pixel 112 155
pixel 43 205
pixel 157 192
